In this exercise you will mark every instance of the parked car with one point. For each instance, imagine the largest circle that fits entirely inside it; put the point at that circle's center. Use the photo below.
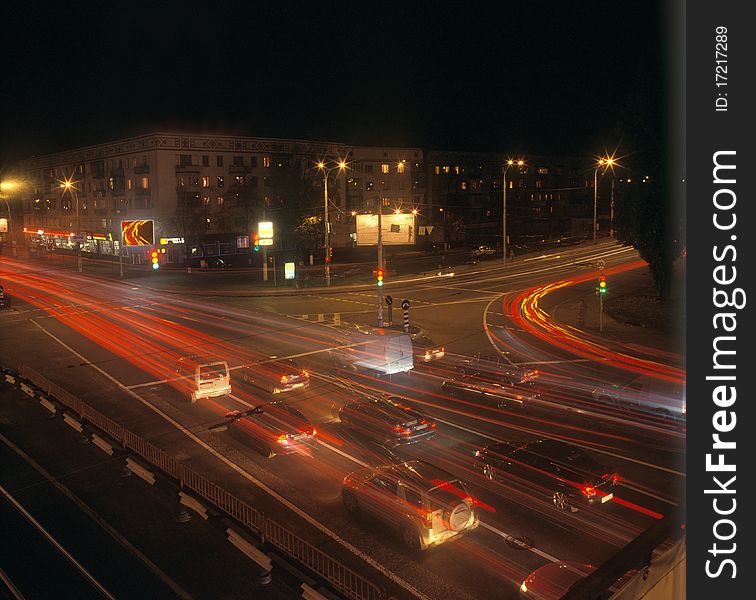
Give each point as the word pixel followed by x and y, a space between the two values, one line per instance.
pixel 217 263
pixel 497 369
pixel 387 421
pixel 565 472
pixel 424 504
pixel 276 428
pixel 277 376
pixel 483 251
pixel 487 393
pixel 425 350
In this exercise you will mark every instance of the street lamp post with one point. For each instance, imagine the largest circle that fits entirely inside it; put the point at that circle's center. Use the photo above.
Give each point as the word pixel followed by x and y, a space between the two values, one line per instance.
pixel 341 166
pixel 69 186
pixel 510 162
pixel 606 163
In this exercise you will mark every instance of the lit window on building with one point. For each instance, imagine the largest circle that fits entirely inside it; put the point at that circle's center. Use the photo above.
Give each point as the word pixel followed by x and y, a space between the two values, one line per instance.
pixel 456 169
pixel 446 169
pixel 206 200
pixel 111 183
pixel 205 181
pixel 543 170
pixel 463 185
pixel 145 183
pixel 266 161
pixel 437 170
pixel 400 167
pixel 219 181
pixel 219 200
pixel 129 183
pixel 239 179
pixel 538 184
pixel 384 168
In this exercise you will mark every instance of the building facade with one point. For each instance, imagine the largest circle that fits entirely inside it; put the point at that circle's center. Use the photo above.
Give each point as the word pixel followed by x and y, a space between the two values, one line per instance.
pixel 206 193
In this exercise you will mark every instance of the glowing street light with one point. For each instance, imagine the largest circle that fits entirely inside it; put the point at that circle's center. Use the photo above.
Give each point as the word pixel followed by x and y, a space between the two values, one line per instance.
pixel 68 185
pixel 510 163
pixel 339 167
pixel 606 162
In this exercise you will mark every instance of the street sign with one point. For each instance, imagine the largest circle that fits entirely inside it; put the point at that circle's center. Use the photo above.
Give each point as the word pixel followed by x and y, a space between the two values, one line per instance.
pixel 389 300
pixel 405 304
pixel 289 270
pixel 265 229
pixel 600 263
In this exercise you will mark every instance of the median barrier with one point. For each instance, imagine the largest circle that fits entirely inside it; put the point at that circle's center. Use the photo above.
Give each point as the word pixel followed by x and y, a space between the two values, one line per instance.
pixel 345 580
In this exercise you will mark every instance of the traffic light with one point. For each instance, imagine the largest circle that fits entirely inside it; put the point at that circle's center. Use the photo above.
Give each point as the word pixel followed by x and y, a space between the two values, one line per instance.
pixel 602 284
pixel 379 276
pixel 155 258
pixel 257 242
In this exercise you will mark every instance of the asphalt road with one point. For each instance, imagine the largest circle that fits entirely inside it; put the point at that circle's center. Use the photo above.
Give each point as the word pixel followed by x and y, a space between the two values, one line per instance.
pixel 115 346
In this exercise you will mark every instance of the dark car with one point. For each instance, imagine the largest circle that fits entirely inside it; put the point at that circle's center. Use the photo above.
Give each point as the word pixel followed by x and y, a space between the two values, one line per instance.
pixel 496 369
pixel 565 472
pixel 276 376
pixel 276 428
pixel 387 421
pixel 217 263
pixel 487 393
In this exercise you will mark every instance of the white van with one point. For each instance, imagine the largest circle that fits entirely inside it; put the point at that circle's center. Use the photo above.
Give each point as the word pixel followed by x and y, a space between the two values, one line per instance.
pixel 378 350
pixel 208 377
pixel 647 394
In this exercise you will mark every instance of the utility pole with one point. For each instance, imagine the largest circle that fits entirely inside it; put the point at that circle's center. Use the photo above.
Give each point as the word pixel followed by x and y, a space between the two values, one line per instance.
pixel 380 259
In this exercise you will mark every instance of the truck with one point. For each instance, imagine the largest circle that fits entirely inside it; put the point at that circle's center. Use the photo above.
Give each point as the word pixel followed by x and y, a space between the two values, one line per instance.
pixel 377 351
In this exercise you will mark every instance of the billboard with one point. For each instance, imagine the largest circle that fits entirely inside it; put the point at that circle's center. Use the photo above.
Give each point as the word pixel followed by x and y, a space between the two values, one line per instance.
pixel 395 229
pixel 138 233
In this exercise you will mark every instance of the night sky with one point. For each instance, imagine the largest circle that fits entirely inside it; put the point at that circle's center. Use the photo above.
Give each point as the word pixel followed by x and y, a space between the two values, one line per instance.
pixel 530 77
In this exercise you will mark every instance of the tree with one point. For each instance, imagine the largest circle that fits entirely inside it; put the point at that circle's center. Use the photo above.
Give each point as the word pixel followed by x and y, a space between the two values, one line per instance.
pixel 310 232
pixel 189 220
pixel 645 216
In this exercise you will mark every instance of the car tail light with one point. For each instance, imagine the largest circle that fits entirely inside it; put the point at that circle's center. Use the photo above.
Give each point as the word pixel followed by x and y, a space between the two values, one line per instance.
pixel 615 478
pixel 524 588
pixel 430 424
pixel 312 431
pixel 477 453
pixel 305 373
pixel 400 429
pixel 283 439
pixel 284 379
pixel 589 491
